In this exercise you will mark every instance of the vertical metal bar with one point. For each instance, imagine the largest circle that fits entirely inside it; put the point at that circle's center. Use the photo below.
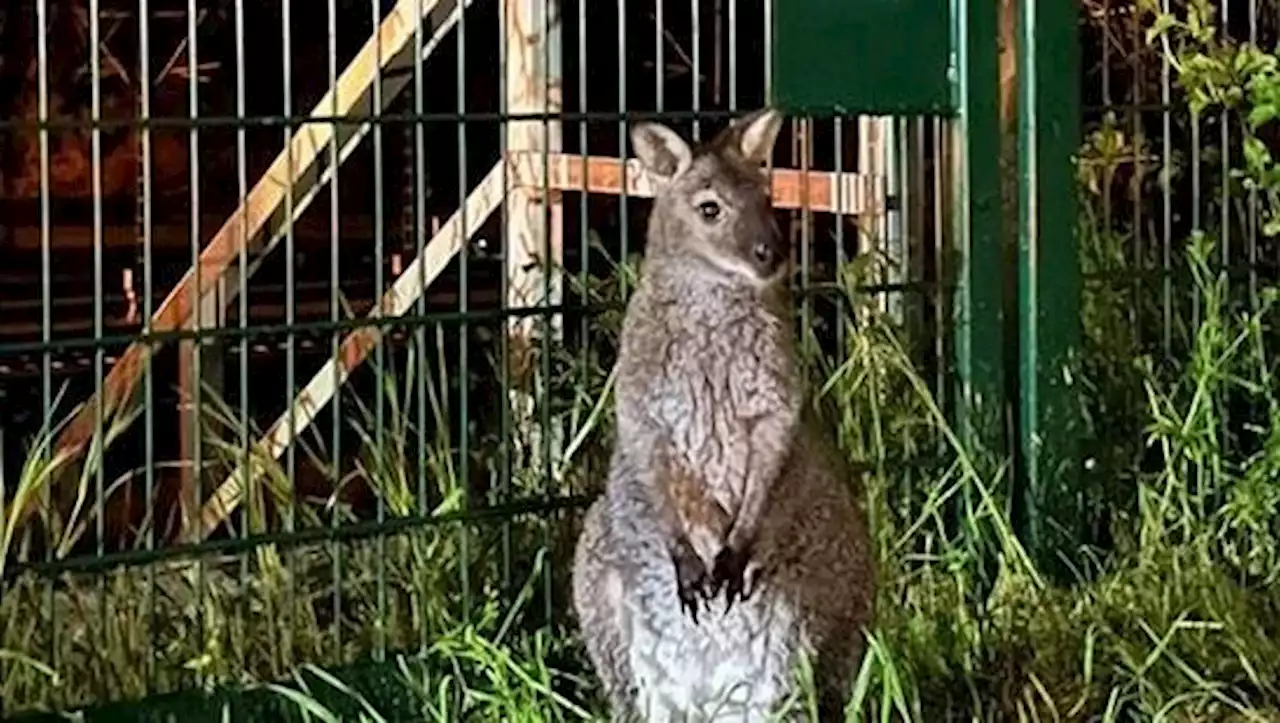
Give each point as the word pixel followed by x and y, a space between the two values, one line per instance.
pixel 1138 133
pixel 148 379
pixel 584 247
pixel 420 245
pixel 805 130
pixel 335 311
pixel 1166 188
pixel 695 16
pixel 899 187
pixel 1224 183
pixel 95 160
pixel 622 135
pixel 99 353
pixel 717 52
pixel 659 55
pixel 1225 217
pixel 917 209
pixel 1195 203
pixel 46 301
pixel 940 152
pixel 290 303
pixel 379 359
pixel 463 257
pixel 1108 112
pixel 891 218
pixel 507 444
pixel 550 256
pixel 841 190
pixel 869 170
pixel 978 303
pixel 768 50
pixel 46 277
pixel 733 53
pixel 197 305
pixel 1252 222
pixel 1049 279
pixel 242 276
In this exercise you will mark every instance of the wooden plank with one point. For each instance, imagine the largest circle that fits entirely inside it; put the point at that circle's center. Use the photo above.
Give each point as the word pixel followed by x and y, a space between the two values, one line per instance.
pixel 821 191
pixel 603 175
pixel 534 230
pixel 300 171
pixel 356 346
pixel 535 215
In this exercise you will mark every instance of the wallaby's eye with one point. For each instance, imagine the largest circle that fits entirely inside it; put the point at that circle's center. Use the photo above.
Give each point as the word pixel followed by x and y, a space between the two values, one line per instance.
pixel 710 210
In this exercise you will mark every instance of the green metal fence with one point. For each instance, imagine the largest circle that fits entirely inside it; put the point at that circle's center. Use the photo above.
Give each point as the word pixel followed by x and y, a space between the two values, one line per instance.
pixel 1153 171
pixel 338 309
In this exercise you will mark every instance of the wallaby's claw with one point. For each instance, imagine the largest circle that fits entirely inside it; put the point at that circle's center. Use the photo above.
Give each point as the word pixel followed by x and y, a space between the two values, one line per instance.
pixel 691 578
pixel 730 572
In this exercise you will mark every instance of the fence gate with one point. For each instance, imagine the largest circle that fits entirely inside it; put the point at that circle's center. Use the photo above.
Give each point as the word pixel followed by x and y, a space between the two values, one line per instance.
pixel 309 307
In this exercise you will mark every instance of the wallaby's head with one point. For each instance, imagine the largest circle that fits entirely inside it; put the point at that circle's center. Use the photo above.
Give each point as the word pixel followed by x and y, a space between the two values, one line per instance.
pixel 712 202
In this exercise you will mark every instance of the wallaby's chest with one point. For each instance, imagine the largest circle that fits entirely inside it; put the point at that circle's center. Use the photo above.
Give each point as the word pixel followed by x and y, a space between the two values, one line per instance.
pixel 713 366
pixel 718 366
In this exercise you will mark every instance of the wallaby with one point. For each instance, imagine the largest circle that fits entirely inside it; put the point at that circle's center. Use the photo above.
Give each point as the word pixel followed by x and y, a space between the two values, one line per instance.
pixel 706 379
pixel 715 482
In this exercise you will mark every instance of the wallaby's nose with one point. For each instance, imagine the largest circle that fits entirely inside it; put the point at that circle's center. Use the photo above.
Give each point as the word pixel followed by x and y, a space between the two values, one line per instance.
pixel 768 256
pixel 761 244
pixel 763 253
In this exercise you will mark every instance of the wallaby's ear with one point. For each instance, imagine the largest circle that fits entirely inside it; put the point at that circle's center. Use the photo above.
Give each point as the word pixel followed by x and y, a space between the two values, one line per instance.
pixel 756 133
pixel 662 151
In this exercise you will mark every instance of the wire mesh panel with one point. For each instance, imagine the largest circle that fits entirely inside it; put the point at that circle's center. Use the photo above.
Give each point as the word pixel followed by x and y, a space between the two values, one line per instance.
pixel 1164 159
pixel 310 309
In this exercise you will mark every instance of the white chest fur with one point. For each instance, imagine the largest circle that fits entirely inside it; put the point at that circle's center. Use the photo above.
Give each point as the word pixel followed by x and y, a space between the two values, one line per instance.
pixel 726 667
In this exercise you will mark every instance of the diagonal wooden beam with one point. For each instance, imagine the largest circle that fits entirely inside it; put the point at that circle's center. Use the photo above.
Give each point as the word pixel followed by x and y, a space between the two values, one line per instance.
pixel 565 172
pixel 355 348
pixel 299 171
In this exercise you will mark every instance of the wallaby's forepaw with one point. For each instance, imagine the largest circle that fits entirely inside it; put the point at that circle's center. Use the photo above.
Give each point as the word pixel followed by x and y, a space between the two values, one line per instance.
pixel 691 578
pixel 736 573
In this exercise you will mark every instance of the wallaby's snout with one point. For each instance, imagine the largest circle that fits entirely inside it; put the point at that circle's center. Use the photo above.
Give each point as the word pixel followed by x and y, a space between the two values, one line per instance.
pixel 763 245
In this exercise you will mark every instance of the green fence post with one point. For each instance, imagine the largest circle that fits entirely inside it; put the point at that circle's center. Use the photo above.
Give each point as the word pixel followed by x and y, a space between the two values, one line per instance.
pixel 978 393
pixel 1050 503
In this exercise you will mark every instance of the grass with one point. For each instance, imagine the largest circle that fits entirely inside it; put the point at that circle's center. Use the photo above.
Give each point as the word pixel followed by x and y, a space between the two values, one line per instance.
pixel 227 619
pixel 1175 621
